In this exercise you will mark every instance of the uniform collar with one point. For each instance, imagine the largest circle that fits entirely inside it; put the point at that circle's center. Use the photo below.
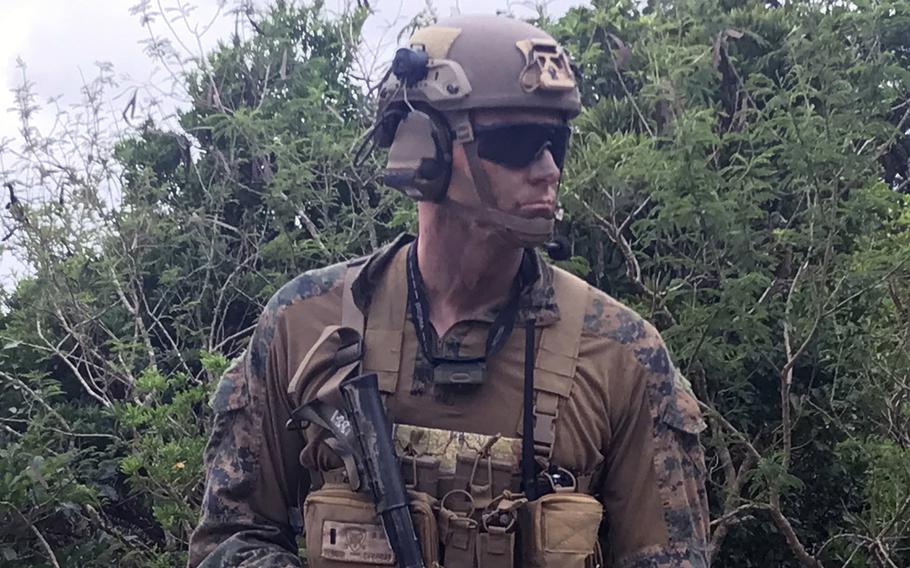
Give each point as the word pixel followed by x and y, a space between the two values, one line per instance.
pixel 537 299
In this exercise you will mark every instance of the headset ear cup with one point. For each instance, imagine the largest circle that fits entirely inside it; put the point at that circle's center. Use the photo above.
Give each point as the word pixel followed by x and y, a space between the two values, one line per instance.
pixel 420 155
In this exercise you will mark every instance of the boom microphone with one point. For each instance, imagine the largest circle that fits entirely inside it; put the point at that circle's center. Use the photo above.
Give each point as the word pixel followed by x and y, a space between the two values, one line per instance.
pixel 559 248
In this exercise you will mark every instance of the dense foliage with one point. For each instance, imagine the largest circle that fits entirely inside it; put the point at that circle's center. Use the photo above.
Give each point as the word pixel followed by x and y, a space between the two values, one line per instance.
pixel 739 176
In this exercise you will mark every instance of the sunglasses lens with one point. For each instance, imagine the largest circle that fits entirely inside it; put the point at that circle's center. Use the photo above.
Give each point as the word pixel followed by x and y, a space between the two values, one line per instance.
pixel 517 145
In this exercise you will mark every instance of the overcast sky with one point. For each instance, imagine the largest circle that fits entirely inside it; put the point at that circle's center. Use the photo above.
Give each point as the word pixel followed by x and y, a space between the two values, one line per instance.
pixel 60 42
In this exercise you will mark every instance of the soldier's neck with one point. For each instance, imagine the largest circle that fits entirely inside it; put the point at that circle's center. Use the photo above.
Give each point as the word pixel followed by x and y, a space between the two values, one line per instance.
pixel 465 271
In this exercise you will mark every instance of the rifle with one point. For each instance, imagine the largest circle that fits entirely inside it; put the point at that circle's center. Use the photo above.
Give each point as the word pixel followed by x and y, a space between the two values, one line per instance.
pixel 363 440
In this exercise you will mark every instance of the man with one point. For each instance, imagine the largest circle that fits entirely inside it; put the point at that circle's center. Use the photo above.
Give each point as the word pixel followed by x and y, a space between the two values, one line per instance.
pixel 456 324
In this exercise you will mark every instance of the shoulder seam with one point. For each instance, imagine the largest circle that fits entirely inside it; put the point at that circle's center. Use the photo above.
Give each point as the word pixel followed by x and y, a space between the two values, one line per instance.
pixel 310 284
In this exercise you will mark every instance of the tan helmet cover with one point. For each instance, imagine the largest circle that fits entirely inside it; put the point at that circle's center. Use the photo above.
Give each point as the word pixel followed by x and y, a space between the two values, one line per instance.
pixel 489 62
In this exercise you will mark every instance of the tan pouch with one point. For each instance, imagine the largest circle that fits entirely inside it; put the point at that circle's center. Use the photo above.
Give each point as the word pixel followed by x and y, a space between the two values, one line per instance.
pixel 343 530
pixel 421 474
pixel 559 529
pixel 483 476
pixel 458 529
pixel 496 544
pixel 495 548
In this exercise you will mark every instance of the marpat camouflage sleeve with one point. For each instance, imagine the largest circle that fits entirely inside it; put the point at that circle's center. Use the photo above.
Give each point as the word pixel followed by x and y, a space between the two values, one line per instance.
pixel 246 521
pixel 250 509
pixel 654 482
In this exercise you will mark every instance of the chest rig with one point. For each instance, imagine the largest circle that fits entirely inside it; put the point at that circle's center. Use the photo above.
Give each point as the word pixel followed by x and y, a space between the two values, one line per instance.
pixel 473 521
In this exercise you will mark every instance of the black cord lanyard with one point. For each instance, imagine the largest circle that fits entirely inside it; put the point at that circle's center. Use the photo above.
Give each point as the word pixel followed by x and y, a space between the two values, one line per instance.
pixel 528 463
pixel 420 311
pixel 498 335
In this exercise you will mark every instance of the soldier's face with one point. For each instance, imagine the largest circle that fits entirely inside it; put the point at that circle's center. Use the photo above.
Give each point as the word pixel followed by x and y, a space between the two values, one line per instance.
pixel 527 190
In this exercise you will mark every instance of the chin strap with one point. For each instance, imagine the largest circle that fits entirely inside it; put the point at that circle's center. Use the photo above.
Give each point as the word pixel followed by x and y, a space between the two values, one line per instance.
pixel 521 231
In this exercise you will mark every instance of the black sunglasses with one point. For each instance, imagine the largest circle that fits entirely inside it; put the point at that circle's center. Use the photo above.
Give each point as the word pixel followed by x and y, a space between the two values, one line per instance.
pixel 517 145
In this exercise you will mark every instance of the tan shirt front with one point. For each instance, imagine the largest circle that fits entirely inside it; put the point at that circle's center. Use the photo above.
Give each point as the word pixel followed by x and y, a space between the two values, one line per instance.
pixel 627 423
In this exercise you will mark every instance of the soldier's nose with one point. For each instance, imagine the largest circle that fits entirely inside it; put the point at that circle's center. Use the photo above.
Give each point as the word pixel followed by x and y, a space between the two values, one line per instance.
pixel 544 168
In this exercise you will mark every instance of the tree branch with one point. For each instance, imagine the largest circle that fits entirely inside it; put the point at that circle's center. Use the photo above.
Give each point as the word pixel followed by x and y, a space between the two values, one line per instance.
pixel 782 524
pixel 35 396
pixel 100 397
pixel 46 545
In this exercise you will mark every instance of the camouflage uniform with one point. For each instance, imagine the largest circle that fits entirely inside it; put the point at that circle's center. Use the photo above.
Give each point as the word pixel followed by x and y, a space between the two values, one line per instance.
pixel 628 423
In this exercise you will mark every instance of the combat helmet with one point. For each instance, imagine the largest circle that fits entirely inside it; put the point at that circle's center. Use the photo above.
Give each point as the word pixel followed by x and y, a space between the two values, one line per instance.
pixel 449 70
